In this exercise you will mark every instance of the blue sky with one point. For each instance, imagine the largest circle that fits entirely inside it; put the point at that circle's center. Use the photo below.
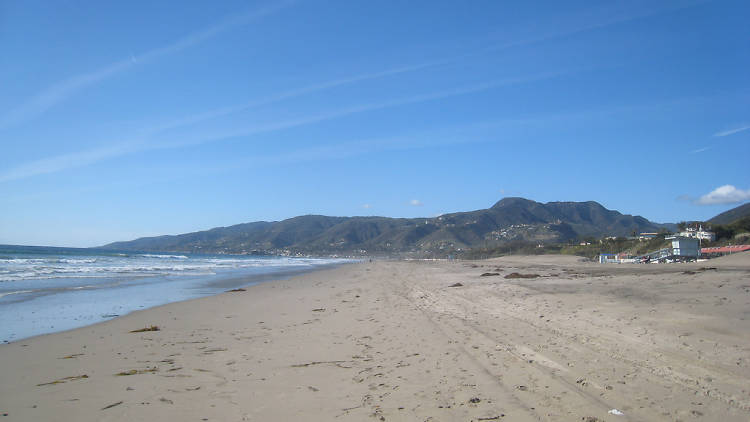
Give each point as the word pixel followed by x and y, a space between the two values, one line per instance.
pixel 143 118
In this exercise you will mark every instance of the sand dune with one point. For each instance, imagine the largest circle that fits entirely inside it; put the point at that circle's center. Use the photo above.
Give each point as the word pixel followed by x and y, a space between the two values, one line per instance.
pixel 559 340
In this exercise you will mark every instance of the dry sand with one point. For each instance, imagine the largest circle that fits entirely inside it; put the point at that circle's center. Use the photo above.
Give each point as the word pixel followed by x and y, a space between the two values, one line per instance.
pixel 393 341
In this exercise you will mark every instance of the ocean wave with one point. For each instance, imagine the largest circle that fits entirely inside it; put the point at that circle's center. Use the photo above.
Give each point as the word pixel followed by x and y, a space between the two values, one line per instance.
pixel 27 260
pixel 106 271
pixel 77 261
pixel 3 294
pixel 50 260
pixel 17 277
pixel 20 268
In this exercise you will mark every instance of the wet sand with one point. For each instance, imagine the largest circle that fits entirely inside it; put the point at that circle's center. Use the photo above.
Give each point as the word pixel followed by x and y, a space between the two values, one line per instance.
pixel 535 338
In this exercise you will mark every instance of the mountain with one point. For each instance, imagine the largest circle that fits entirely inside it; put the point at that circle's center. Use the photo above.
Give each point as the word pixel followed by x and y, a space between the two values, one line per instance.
pixel 728 217
pixel 509 220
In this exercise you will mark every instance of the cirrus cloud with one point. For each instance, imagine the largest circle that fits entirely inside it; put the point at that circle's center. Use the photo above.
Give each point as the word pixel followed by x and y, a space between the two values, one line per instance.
pixel 61 91
pixel 732 131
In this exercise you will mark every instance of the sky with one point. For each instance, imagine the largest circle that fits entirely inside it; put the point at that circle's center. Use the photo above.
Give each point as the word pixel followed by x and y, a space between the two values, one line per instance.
pixel 127 119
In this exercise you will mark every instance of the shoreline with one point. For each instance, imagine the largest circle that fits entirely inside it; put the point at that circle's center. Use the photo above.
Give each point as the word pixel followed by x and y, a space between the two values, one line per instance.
pixel 544 338
pixel 223 283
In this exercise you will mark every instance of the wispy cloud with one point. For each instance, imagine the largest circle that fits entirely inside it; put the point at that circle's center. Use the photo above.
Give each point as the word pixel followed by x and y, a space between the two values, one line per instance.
pixel 290 94
pixel 415 203
pixel 696 151
pixel 335 114
pixel 428 64
pixel 67 161
pixel 441 136
pixel 367 206
pixel 59 92
pixel 727 194
pixel 82 158
pixel 471 133
pixel 732 131
pixel 589 19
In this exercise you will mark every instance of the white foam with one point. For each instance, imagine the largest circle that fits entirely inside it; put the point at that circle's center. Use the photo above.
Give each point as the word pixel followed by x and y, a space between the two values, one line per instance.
pixel 55 267
pixel 14 293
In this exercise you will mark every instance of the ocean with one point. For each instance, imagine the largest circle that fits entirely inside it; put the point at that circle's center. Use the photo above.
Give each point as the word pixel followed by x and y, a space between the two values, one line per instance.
pixel 45 289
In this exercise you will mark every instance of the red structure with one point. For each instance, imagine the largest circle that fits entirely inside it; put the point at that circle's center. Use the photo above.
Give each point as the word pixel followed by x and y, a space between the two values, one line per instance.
pixel 725 249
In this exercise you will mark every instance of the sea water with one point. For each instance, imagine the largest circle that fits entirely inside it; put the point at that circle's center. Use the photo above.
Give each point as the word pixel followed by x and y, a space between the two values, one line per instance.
pixel 45 290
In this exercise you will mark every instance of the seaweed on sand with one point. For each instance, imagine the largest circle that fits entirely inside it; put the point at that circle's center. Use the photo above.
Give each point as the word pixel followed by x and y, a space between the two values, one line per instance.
pixel 519 275
pixel 149 328
pixel 63 380
pixel 136 372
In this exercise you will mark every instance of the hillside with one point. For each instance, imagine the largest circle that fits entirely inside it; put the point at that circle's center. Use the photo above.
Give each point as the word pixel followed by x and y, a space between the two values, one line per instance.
pixel 509 220
pixel 732 215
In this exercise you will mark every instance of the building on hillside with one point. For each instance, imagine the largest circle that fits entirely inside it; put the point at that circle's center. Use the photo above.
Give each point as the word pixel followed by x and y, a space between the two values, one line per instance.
pixel 647 236
pixel 698 233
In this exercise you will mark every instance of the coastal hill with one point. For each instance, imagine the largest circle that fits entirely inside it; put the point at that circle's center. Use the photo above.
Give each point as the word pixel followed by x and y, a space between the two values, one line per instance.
pixel 728 217
pixel 509 220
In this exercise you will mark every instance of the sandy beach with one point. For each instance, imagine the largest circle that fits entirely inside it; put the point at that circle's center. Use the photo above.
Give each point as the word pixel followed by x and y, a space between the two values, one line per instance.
pixel 548 338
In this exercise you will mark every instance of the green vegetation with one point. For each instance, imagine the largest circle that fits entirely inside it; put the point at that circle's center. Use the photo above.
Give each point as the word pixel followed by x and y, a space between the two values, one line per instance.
pixel 511 248
pixel 737 231
pixel 589 248
pixel 618 245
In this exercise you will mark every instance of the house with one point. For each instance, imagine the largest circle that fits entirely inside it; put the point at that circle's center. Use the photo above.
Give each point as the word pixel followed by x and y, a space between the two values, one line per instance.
pixel 698 233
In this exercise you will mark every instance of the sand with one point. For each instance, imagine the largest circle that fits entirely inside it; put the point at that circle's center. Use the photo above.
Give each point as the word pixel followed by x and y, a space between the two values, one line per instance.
pixel 392 340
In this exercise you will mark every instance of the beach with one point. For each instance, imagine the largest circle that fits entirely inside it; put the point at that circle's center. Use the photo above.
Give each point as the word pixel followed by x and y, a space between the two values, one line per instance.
pixel 551 338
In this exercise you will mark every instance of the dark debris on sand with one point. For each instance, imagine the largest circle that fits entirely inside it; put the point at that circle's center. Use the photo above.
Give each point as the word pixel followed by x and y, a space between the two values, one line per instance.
pixel 519 275
pixel 145 329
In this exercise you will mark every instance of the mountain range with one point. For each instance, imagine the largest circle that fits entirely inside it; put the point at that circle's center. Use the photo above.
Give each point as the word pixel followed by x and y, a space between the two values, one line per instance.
pixel 728 217
pixel 509 220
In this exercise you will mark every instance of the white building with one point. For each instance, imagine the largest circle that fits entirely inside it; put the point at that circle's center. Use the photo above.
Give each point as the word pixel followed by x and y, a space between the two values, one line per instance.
pixel 698 233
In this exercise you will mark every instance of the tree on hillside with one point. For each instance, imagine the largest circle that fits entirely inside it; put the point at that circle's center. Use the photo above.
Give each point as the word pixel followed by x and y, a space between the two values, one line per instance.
pixel 729 231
